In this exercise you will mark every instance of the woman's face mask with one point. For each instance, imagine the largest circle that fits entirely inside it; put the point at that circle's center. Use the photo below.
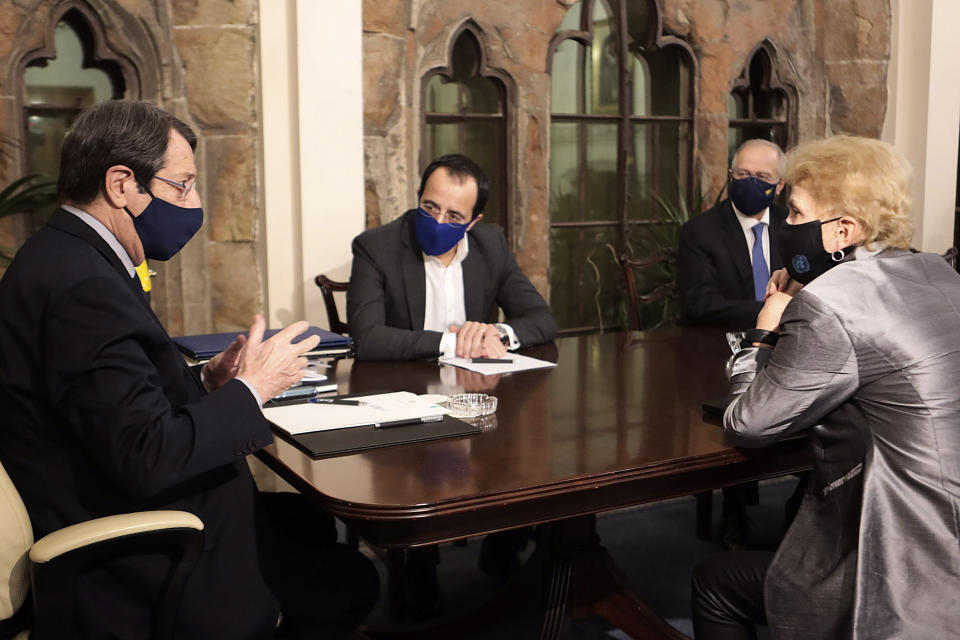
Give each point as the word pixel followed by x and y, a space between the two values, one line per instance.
pixel 802 250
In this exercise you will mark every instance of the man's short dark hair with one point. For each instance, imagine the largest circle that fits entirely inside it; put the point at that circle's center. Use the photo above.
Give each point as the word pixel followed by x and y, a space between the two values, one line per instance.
pixel 128 132
pixel 460 166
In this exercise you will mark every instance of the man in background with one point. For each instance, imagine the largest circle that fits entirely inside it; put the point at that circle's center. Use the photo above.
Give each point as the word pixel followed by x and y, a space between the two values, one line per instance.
pixel 725 254
pixel 428 285
pixel 725 258
pixel 102 416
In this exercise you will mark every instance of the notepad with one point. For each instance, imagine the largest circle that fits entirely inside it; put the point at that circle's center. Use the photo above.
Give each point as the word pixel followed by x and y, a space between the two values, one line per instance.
pixel 517 363
pixel 374 410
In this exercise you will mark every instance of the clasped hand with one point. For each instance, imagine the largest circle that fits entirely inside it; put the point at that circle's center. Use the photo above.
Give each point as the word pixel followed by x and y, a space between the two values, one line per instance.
pixel 780 291
pixel 269 366
pixel 478 340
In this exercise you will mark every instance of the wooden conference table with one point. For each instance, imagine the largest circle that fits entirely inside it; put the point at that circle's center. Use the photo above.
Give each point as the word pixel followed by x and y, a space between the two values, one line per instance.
pixel 617 423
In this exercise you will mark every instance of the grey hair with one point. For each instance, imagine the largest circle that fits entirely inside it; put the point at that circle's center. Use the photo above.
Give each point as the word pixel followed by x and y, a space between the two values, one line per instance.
pixel 781 158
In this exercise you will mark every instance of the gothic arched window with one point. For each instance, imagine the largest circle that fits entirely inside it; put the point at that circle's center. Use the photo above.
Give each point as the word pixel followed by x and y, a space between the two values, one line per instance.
pixel 621 149
pixel 465 111
pixel 760 105
pixel 58 85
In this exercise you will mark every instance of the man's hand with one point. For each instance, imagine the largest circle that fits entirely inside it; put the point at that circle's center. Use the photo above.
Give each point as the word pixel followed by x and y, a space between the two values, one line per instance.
pixel 274 365
pixel 223 367
pixel 478 340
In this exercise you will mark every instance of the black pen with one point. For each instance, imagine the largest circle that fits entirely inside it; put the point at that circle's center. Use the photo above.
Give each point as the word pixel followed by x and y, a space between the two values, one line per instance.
pixel 401 423
pixel 351 403
pixel 491 360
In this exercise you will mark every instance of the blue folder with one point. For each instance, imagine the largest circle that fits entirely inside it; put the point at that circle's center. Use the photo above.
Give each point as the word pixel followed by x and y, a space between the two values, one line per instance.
pixel 205 346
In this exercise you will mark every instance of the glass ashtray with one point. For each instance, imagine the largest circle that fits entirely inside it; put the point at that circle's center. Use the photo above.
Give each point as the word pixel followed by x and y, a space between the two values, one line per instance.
pixel 471 405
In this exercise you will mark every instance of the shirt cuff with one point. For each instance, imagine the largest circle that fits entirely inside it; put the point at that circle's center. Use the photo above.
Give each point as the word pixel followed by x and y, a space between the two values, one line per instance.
pixel 514 343
pixel 448 345
pixel 256 395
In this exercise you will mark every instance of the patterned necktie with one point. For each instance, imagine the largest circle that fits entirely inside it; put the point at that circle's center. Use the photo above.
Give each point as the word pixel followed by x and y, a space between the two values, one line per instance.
pixel 761 273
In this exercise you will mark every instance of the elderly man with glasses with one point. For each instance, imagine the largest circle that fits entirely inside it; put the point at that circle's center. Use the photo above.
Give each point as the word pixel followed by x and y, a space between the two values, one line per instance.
pixel 725 259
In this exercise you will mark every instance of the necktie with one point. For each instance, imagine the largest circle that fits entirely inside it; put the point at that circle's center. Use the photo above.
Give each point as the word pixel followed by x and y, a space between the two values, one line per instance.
pixel 761 273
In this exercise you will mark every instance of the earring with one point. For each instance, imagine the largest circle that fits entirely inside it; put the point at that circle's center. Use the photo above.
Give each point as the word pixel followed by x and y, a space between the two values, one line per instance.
pixel 834 255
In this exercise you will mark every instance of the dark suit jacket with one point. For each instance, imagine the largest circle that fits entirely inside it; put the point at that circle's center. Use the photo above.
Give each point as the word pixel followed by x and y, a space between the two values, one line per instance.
pixel 714 273
pixel 387 296
pixel 99 415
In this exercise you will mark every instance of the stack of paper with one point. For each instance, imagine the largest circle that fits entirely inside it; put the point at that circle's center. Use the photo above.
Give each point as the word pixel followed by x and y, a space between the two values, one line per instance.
pixel 381 411
pixel 516 363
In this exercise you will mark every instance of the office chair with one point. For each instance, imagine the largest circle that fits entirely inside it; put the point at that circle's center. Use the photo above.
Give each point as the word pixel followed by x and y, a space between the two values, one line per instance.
pixel 50 566
pixel 327 287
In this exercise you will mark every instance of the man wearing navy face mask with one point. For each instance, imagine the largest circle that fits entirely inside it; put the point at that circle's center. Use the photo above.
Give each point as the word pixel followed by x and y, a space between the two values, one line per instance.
pixel 725 255
pixel 429 283
pixel 100 414
pixel 725 258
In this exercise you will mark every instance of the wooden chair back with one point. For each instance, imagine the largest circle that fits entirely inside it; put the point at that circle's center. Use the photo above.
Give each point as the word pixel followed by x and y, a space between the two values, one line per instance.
pixel 636 298
pixel 327 287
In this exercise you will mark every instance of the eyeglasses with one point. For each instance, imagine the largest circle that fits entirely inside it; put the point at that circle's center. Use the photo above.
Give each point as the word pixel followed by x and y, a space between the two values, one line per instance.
pixel 740 174
pixel 434 210
pixel 184 187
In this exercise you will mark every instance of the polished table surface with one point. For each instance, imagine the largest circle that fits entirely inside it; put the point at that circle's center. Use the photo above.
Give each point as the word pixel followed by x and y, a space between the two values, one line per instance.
pixel 618 422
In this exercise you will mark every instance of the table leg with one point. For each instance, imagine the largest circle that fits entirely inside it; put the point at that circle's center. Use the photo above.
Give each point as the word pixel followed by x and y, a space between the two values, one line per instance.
pixel 568 575
pixel 395 593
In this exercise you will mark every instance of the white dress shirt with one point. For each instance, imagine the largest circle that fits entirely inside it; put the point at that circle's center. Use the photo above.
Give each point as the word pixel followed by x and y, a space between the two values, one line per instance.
pixel 748 223
pixel 444 303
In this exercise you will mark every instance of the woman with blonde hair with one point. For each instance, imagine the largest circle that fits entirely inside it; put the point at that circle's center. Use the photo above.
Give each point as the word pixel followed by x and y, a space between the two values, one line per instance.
pixel 858 344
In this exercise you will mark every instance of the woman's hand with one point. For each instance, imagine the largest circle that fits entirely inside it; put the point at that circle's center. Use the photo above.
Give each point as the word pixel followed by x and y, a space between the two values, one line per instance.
pixel 769 316
pixel 780 281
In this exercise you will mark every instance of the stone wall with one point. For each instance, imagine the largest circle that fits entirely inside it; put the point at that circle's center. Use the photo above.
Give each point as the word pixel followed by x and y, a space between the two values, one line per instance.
pixel 834 52
pixel 199 61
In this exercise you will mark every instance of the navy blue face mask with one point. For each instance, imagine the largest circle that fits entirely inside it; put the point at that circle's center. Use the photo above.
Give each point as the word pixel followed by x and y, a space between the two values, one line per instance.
pixel 164 227
pixel 752 195
pixel 436 238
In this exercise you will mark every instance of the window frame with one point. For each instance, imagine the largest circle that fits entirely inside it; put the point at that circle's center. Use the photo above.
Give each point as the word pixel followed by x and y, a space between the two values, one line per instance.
pixel 653 39
pixel 98 53
pixel 505 169
pixel 771 83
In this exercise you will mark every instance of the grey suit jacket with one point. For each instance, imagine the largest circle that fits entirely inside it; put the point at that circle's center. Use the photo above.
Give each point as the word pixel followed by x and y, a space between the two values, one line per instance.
pixel 870 353
pixel 386 301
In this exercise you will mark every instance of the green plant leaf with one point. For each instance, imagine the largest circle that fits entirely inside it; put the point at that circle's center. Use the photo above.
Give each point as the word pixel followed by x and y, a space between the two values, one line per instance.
pixel 21 196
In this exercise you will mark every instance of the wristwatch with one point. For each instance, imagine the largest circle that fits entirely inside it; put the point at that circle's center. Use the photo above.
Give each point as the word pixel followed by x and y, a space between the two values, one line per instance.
pixel 504 335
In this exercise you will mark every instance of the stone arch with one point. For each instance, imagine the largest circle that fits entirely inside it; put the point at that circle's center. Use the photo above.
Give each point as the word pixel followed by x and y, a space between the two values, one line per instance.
pixel 761 78
pixel 470 34
pixel 117 40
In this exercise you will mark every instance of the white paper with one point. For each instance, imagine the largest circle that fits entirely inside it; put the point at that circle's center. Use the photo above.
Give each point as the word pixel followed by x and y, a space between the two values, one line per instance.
pixel 309 375
pixel 373 410
pixel 520 363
